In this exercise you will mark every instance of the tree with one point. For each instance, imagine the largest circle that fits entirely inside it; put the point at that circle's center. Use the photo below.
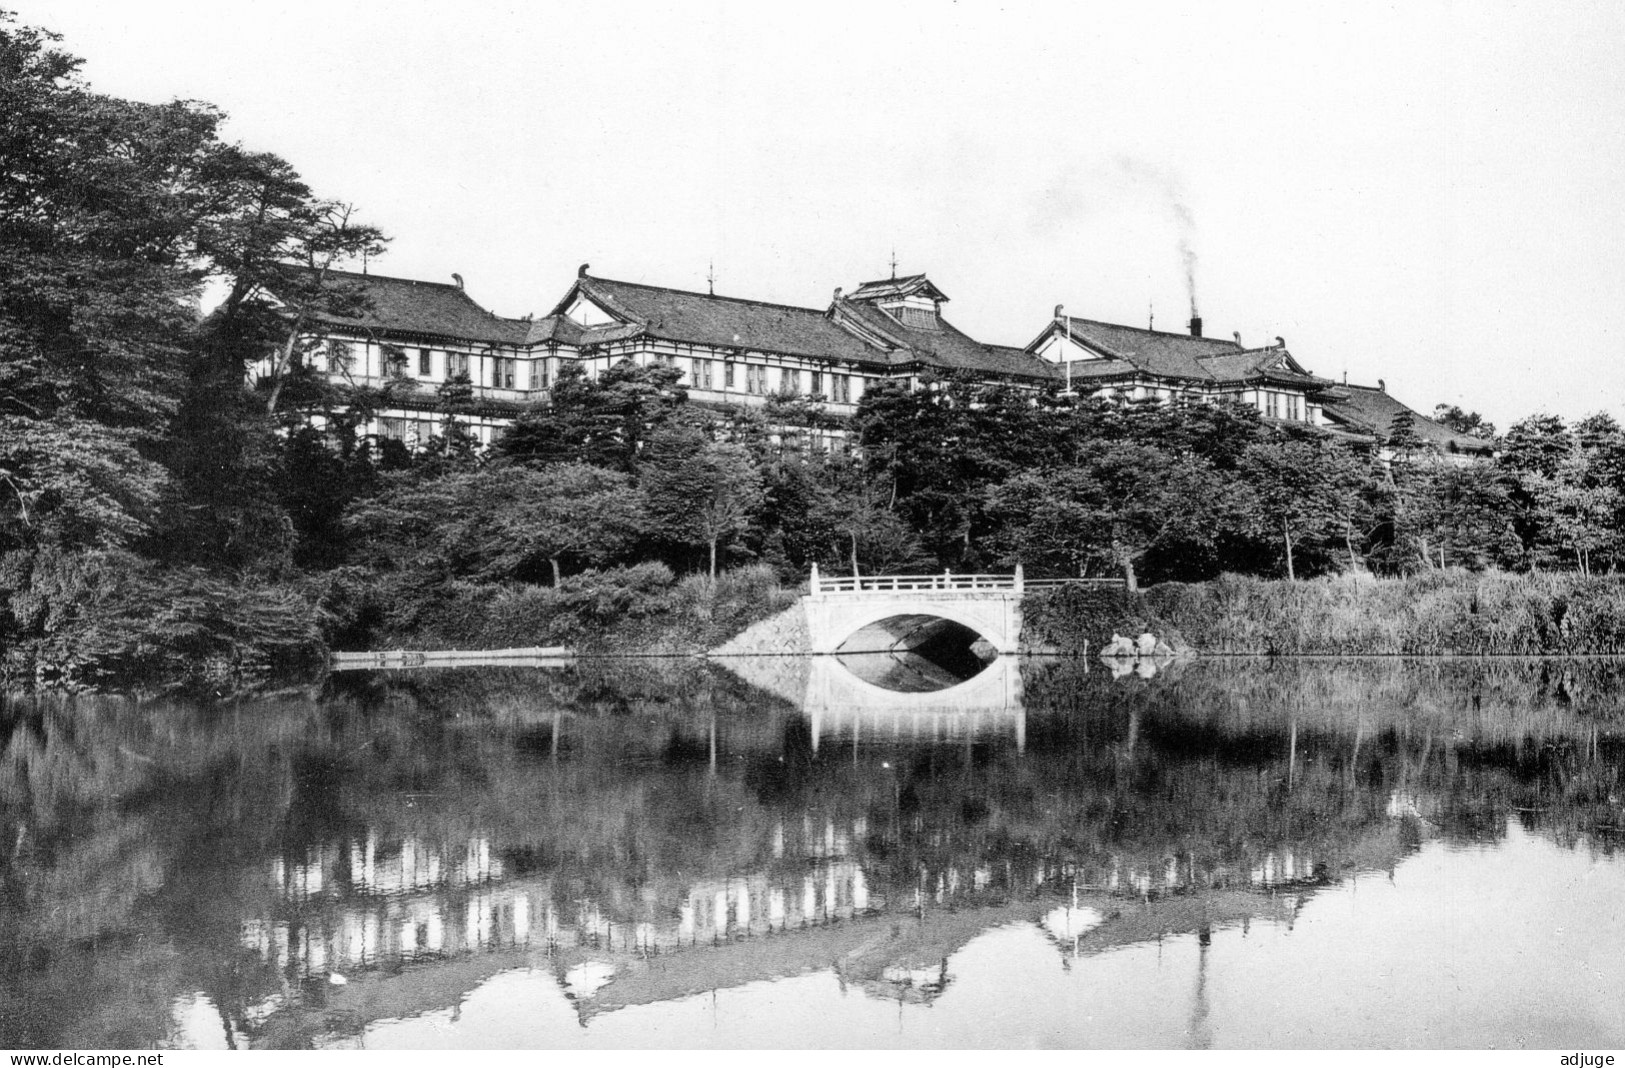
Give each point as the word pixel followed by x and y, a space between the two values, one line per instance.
pixel 700 492
pixel 1535 451
pixel 562 511
pixel 1470 423
pixel 605 421
pixel 1539 443
pixel 96 208
pixel 1306 491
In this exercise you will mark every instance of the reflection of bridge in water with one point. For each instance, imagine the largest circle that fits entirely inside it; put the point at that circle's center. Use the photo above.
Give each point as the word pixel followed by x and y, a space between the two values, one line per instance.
pixel 840 704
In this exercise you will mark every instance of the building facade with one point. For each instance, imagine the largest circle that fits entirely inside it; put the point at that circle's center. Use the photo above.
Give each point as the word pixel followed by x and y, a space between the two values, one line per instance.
pixel 733 351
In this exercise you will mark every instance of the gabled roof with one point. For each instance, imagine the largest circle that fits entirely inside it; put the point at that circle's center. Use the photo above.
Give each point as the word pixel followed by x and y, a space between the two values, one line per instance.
pixel 1374 410
pixel 1129 350
pixel 725 322
pixel 914 285
pixel 1271 364
pixel 1154 352
pixel 563 329
pixel 946 348
pixel 408 306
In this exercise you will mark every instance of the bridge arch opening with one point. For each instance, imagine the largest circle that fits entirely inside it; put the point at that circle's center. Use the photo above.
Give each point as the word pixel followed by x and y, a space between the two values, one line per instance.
pixel 915 653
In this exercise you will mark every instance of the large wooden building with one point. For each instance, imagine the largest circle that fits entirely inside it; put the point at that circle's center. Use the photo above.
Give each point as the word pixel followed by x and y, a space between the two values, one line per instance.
pixel 737 351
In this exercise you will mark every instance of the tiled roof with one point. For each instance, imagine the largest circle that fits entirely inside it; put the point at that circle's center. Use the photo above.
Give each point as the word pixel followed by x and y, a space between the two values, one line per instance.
pixel 702 319
pixel 1152 351
pixel 946 348
pixel 1272 364
pixel 563 329
pixel 898 287
pixel 407 306
pixel 1374 411
pixel 1129 350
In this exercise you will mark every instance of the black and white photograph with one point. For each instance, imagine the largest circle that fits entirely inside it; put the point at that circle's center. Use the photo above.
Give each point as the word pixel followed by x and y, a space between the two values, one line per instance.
pixel 849 526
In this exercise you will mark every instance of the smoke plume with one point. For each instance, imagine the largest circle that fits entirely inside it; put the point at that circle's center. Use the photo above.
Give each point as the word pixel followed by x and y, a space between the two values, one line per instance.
pixel 1169 189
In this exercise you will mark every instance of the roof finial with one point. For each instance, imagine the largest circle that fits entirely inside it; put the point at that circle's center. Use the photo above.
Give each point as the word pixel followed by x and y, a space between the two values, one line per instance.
pixel 711 277
pixel 894 263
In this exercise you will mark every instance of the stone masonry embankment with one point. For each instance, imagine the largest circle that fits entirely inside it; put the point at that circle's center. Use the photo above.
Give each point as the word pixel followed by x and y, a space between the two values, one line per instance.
pixel 785 634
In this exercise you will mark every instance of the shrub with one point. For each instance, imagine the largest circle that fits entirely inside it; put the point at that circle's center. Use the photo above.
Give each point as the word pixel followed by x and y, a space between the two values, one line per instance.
pixel 1450 612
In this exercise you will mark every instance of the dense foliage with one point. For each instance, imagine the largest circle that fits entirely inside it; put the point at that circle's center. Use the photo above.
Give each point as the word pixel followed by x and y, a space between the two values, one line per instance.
pixel 160 516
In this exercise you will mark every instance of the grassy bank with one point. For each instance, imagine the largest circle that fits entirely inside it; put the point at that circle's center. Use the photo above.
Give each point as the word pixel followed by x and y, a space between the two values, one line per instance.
pixel 644 609
pixel 134 628
pixel 1440 613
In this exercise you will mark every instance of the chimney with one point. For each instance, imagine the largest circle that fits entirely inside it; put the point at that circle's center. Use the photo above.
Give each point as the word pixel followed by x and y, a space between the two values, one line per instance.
pixel 455 277
pixel 1196 326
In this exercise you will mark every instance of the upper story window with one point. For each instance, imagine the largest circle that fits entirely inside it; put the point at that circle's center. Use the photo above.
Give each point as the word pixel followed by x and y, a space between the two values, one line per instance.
pixel 425 363
pixel 502 373
pixel 338 357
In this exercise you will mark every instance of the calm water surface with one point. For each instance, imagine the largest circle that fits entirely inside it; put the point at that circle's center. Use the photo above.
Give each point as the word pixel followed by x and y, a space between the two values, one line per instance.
pixel 787 853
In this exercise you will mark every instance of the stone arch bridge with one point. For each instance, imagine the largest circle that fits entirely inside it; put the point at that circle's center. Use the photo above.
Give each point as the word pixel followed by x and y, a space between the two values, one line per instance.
pixel 890 613
pixel 880 613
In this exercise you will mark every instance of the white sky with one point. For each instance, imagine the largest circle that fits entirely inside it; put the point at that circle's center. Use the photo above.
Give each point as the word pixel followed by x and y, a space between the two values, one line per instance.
pixel 1428 193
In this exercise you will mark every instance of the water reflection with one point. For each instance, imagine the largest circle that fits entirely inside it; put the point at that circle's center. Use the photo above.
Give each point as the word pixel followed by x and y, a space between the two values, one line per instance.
pixel 915 654
pixel 302 872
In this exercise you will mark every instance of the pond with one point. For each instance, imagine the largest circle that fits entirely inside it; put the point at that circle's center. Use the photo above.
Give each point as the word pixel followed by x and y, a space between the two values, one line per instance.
pixel 806 853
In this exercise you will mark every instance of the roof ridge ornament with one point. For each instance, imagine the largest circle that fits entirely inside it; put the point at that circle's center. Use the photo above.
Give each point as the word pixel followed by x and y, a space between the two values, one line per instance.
pixel 581 272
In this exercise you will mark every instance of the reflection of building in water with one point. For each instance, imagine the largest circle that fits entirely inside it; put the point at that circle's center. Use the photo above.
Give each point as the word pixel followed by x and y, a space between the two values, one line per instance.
pixel 456 915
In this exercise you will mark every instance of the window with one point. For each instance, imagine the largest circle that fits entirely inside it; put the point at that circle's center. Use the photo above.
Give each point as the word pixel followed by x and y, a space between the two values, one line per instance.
pixel 425 363
pixel 918 318
pixel 841 388
pixel 728 375
pixel 790 380
pixel 540 373
pixel 702 374
pixel 1292 408
pixel 338 357
pixel 1272 405
pixel 456 364
pixel 502 373
pixel 817 383
pixel 755 378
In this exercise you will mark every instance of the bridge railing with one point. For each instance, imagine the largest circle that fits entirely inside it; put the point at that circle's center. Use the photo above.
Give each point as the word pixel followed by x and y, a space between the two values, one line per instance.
pixel 946 581
pixel 1090 583
pixel 902 583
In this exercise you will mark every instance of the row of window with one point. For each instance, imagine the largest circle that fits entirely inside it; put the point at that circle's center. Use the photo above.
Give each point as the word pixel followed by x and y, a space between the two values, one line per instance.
pixel 504 374
pixel 1284 406
pixel 790 380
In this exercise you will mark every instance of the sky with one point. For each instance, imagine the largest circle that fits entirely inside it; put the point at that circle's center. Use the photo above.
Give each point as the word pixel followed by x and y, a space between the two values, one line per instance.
pixel 1426 193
